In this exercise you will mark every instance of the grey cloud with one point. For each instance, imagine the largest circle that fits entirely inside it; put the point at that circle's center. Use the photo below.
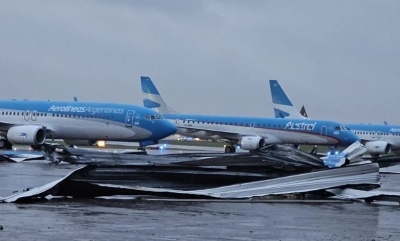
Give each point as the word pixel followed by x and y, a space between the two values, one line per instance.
pixel 339 58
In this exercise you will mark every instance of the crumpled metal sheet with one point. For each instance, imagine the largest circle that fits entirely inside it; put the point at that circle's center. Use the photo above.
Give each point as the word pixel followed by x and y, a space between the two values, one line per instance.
pixel 307 182
pixel 41 191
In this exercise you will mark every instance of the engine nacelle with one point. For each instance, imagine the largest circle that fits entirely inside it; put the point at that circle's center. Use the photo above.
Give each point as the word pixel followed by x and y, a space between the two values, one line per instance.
pixel 28 134
pixel 72 142
pixel 251 142
pixel 378 147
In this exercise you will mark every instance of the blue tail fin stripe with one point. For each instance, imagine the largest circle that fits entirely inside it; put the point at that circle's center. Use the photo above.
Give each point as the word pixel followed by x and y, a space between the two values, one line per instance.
pixel 150 104
pixel 148 86
pixel 278 95
pixel 280 114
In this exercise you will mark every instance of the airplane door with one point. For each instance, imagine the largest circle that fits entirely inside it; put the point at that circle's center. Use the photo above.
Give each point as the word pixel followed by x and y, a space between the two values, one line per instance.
pixel 34 115
pixel 324 131
pixel 136 120
pixel 129 118
pixel 27 115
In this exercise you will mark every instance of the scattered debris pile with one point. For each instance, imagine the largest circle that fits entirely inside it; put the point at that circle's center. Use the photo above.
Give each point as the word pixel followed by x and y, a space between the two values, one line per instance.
pixel 275 170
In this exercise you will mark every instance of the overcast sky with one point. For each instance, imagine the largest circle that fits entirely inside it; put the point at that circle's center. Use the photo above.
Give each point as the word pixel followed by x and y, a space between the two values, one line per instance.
pixel 339 58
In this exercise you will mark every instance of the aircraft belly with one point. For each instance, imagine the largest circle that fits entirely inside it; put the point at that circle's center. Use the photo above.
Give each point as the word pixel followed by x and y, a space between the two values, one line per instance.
pixel 313 139
pixel 95 130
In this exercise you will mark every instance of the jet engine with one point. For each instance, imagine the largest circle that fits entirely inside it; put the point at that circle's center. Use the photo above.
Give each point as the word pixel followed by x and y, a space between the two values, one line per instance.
pixel 27 134
pixel 72 142
pixel 252 142
pixel 377 147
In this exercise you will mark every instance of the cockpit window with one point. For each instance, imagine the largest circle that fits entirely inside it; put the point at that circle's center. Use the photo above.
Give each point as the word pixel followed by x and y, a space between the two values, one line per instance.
pixel 341 128
pixel 153 117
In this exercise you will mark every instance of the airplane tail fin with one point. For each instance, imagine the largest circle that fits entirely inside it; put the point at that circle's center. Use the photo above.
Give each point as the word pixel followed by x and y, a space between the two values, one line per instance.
pixel 303 112
pixel 151 97
pixel 283 107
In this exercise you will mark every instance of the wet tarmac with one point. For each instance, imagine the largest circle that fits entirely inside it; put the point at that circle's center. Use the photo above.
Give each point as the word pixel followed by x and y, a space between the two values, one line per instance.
pixel 138 219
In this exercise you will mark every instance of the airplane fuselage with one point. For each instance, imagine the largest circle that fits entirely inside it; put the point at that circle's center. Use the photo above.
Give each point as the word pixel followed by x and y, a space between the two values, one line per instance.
pixel 276 131
pixel 387 133
pixel 84 120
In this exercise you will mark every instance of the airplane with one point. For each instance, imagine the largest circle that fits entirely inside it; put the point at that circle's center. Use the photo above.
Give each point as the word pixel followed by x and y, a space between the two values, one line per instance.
pixel 250 133
pixel 378 139
pixel 32 122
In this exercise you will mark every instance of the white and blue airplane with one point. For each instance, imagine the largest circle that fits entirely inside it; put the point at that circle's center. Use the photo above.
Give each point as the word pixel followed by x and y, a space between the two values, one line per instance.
pixel 32 122
pixel 249 133
pixel 377 139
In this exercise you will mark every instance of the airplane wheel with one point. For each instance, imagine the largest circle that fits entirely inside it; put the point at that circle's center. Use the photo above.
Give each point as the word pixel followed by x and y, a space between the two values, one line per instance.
pixel 230 149
pixel 5 144
pixel 375 155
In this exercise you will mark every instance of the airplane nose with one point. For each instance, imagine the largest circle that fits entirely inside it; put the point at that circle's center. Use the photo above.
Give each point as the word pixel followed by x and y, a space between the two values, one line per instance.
pixel 168 129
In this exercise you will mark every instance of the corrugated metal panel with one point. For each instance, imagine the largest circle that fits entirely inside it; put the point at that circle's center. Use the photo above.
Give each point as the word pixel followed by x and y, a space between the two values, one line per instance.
pixel 320 180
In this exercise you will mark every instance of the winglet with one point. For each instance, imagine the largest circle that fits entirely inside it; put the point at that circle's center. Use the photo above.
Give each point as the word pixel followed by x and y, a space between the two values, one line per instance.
pixel 151 97
pixel 283 107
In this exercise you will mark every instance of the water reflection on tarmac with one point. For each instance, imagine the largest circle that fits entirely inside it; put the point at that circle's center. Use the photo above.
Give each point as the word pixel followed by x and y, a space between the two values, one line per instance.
pixel 131 220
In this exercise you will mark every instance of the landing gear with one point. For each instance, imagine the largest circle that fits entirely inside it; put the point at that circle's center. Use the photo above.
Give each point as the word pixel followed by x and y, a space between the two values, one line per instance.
pixel 375 155
pixel 230 149
pixel 314 150
pixel 5 144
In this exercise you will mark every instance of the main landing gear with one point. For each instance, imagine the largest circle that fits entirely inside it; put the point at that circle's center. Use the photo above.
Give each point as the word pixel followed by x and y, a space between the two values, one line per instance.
pixel 5 144
pixel 230 149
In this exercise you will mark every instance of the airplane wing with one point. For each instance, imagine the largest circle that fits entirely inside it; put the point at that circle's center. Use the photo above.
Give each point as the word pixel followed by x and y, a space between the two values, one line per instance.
pixel 4 126
pixel 228 135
